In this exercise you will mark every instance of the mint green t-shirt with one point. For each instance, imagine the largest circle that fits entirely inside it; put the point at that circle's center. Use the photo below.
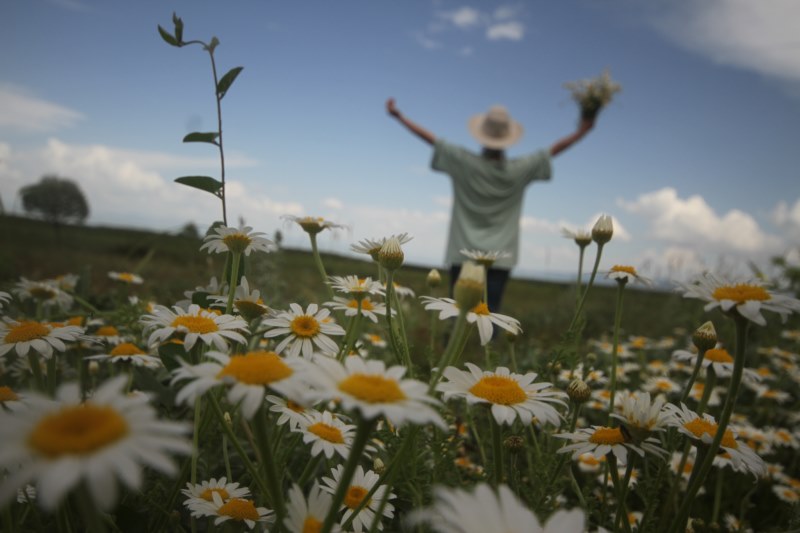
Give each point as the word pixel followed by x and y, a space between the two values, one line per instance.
pixel 487 199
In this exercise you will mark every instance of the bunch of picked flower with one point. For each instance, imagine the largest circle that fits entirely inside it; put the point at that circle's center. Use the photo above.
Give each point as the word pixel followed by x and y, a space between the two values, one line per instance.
pixel 593 94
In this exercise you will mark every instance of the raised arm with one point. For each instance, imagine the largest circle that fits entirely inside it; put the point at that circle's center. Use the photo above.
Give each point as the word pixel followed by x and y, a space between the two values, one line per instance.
pixel 414 128
pixel 562 144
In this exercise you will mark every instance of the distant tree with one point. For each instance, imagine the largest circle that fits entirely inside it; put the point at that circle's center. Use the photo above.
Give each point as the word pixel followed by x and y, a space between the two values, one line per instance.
pixel 56 200
pixel 190 230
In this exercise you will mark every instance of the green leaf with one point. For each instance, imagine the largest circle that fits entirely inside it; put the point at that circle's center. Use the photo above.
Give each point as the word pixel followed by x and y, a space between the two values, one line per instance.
pixel 202 137
pixel 226 81
pixel 167 36
pixel 204 183
pixel 178 27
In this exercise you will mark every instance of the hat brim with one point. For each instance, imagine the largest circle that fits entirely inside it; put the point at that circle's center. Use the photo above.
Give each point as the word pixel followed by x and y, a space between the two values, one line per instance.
pixel 515 132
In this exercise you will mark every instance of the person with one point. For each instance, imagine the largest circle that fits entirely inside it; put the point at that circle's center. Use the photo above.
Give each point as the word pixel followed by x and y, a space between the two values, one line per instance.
pixel 488 189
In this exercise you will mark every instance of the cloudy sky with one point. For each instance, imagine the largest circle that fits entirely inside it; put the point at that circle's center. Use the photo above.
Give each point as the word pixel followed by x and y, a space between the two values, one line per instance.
pixel 697 159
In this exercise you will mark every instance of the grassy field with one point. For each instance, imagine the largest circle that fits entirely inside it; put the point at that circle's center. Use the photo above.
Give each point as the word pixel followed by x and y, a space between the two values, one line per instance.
pixel 171 264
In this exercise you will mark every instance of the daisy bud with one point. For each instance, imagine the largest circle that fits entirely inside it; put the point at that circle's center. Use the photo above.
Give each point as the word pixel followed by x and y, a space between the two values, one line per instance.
pixel 469 286
pixel 378 467
pixel 391 255
pixel 705 337
pixel 603 230
pixel 578 391
pixel 514 443
pixel 434 279
pixel 227 418
pixel 94 368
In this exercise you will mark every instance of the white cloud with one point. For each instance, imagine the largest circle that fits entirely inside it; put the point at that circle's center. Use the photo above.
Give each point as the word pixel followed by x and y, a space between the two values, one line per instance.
pixel 333 203
pixel 788 218
pixel 759 35
pixel 513 31
pixel 692 221
pixel 126 187
pixel 463 17
pixel 426 42
pixel 20 111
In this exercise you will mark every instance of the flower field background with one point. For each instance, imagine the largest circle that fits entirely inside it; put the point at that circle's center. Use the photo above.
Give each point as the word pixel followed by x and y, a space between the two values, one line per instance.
pixel 153 382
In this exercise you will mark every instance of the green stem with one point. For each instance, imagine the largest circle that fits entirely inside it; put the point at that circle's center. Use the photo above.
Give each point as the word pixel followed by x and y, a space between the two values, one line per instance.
pixel 695 372
pixel 36 370
pixel 226 458
pixel 615 346
pixel 727 409
pixel 308 471
pixel 352 334
pixel 399 344
pixel 452 351
pixel 588 286
pixel 579 282
pixel 359 442
pixel 219 138
pixel 274 480
pixel 621 507
pixel 497 451
pixel 319 264
pixel 576 409
pixel 196 439
pixel 708 389
pixel 717 496
pixel 237 257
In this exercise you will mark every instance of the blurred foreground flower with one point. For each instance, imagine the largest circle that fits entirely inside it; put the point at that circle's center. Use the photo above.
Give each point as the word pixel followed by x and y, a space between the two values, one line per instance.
pixel 63 443
pixel 40 337
pixel 483 509
pixel 359 486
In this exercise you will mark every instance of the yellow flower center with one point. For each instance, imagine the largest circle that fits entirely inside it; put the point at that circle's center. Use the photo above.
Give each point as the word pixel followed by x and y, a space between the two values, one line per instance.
pixel 741 293
pixel 304 326
pixel 77 430
pixel 237 242
pixel 499 389
pixel 719 355
pixel 624 268
pixel 126 349
pixel 195 323
pixel 8 395
pixel 700 426
pixel 326 432
pixel 481 309
pixel 366 304
pixel 43 293
pixel 605 435
pixel 256 368
pixel 589 459
pixel 107 331
pixel 27 331
pixel 354 496
pixel 312 525
pixel 239 509
pixel 207 494
pixel 126 276
pixel 372 388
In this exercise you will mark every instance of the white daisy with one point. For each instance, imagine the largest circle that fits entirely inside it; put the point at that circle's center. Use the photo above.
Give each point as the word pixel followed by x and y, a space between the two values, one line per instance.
pixel 359 487
pixel 375 340
pixel 246 300
pixel 374 390
pixel 47 292
pixel 194 324
pixel 601 440
pixel 698 388
pixel 582 238
pixel 62 443
pixel 482 510
pixel 128 353
pixel 640 415
pixel 40 337
pixel 590 463
pixel 239 240
pixel 486 259
pixel 748 297
pixel 307 515
pixel 371 247
pixel 249 375
pixel 107 334
pixel 478 315
pixel 786 493
pixel 236 509
pixel 327 434
pixel 305 329
pixel 704 429
pixel 201 493
pixel 289 411
pixel 626 274
pixel 354 286
pixel 369 309
pixel 510 395
pixel 660 385
pixel 4 299
pixel 126 277
pixel 313 225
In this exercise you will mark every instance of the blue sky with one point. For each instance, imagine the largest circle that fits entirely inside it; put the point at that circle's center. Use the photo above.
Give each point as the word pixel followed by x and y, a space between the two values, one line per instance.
pixel 697 159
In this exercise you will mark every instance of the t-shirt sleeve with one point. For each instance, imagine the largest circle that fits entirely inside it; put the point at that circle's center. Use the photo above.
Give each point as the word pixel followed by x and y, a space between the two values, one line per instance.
pixel 445 156
pixel 538 166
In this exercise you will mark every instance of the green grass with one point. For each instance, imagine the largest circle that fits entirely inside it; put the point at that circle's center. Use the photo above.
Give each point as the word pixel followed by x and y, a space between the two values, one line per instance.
pixel 172 264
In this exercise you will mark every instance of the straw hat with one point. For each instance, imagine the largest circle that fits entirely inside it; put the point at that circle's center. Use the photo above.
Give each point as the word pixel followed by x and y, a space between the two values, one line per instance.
pixel 495 128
